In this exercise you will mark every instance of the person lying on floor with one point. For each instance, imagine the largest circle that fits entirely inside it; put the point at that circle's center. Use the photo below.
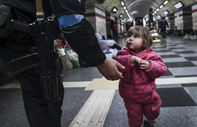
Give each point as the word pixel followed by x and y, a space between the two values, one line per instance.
pixel 109 47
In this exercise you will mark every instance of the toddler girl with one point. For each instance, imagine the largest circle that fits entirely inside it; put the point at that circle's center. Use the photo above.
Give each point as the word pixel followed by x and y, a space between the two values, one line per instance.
pixel 142 67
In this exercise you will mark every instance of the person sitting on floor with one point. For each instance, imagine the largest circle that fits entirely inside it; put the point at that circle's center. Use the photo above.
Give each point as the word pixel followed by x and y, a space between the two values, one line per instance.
pixel 109 47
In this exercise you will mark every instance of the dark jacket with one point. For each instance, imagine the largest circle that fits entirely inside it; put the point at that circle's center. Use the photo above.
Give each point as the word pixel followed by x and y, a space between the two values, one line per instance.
pixel 162 24
pixel 25 10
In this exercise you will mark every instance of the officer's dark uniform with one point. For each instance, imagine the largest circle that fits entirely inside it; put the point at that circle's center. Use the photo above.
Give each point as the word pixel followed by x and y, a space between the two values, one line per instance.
pixel 80 36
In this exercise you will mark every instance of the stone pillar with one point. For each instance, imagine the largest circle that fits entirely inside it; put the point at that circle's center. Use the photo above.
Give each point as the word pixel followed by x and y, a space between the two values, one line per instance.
pixel 97 19
pixel 183 21
pixel 118 22
pixel 194 17
pixel 171 24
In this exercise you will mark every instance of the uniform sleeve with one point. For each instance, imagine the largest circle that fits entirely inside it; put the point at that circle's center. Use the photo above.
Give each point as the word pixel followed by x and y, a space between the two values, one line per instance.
pixel 158 68
pixel 123 57
pixel 81 37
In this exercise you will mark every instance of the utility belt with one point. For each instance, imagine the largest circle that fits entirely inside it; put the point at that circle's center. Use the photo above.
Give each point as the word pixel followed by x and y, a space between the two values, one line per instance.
pixel 7 24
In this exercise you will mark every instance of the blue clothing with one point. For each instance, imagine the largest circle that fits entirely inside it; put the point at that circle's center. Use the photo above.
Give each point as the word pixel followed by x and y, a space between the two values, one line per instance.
pixel 69 20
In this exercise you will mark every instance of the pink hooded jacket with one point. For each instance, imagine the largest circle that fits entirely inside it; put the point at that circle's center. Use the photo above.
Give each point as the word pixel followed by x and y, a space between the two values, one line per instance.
pixel 138 84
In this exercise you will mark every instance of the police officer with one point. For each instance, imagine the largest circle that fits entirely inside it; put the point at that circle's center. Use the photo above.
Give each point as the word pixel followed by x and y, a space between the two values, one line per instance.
pixel 80 36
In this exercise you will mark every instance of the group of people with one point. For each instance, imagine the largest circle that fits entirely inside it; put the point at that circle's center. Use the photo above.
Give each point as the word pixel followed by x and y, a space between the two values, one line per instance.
pixel 136 65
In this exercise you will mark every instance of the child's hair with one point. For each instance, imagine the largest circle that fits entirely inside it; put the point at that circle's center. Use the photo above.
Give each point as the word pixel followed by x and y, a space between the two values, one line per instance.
pixel 143 33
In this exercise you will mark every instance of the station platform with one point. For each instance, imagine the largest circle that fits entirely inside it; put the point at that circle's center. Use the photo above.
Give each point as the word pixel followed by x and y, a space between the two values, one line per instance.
pixel 89 103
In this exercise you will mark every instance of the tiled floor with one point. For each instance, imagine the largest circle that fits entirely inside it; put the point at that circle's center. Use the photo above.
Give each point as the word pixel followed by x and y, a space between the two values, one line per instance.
pixel 177 89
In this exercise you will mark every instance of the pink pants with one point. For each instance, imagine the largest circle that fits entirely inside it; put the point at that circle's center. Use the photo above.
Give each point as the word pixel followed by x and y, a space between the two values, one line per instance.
pixel 135 111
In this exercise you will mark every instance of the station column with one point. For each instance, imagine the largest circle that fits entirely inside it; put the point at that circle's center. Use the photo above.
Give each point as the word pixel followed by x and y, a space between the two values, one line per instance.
pixel 194 17
pixel 97 19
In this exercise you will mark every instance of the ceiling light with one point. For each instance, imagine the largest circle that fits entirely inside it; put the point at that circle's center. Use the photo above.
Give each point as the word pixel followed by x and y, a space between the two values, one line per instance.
pixel 166 2
pixel 161 6
pixel 122 3
pixel 124 7
pixel 158 9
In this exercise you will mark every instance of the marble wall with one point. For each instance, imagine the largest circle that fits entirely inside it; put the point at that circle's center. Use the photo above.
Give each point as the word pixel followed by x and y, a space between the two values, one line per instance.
pixel 97 19
pixel 194 17
pixel 183 21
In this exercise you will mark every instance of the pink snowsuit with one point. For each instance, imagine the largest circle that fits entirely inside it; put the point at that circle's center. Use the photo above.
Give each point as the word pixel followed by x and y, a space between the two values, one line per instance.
pixel 138 88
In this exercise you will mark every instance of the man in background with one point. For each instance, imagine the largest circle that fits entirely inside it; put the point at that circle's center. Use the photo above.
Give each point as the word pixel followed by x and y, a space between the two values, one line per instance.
pixel 162 25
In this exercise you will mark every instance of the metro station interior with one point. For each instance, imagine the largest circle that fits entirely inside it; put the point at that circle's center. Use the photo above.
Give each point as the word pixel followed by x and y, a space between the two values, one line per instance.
pixel 92 101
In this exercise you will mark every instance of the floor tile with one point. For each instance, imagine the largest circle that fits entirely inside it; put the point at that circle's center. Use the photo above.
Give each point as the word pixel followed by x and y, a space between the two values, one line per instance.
pixel 175 47
pixel 179 64
pixel 169 86
pixel 167 53
pixel 189 55
pixel 177 117
pixel 183 71
pixel 162 51
pixel 169 56
pixel 191 58
pixel 189 85
pixel 174 59
pixel 81 74
pixel 192 92
pixel 178 76
pixel 168 73
pixel 172 97
pixel 74 99
pixel 177 50
pixel 170 44
pixel 194 62
pixel 184 52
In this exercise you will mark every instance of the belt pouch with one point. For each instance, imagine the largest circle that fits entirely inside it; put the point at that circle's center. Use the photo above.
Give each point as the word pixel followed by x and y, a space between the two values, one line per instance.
pixel 5 19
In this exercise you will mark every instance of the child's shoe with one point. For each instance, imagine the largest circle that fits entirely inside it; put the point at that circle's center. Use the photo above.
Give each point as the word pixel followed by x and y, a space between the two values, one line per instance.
pixel 147 124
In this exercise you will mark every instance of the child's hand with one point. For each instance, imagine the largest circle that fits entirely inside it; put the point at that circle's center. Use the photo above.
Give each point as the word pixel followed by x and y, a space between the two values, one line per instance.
pixel 145 64
pixel 135 59
pixel 138 60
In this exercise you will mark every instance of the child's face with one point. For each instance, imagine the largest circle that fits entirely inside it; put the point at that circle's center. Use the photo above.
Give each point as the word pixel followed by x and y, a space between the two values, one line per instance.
pixel 134 42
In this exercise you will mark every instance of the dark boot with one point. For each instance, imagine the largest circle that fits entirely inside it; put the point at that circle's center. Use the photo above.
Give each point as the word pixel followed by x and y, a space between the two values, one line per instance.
pixel 147 124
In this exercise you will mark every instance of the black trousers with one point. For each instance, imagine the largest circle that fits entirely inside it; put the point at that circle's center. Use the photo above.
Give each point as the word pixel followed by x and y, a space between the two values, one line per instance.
pixel 35 105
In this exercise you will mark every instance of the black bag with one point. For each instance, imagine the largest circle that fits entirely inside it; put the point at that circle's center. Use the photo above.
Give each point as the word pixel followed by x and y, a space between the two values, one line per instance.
pixel 5 19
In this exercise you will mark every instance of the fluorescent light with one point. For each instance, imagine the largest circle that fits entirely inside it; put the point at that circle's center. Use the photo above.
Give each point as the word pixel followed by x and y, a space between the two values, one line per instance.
pixel 161 6
pixel 166 2
pixel 158 9
pixel 124 7
pixel 166 12
pixel 179 5
pixel 122 3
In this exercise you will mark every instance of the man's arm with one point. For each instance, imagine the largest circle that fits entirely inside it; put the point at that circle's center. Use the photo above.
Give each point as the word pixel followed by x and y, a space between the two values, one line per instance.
pixel 109 69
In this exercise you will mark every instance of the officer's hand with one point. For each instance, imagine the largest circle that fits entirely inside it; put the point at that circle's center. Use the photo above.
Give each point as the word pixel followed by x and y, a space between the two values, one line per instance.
pixel 109 69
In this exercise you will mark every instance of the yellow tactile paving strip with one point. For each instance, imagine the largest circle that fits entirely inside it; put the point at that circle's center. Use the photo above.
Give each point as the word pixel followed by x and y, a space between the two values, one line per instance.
pixel 102 84
pixel 95 110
